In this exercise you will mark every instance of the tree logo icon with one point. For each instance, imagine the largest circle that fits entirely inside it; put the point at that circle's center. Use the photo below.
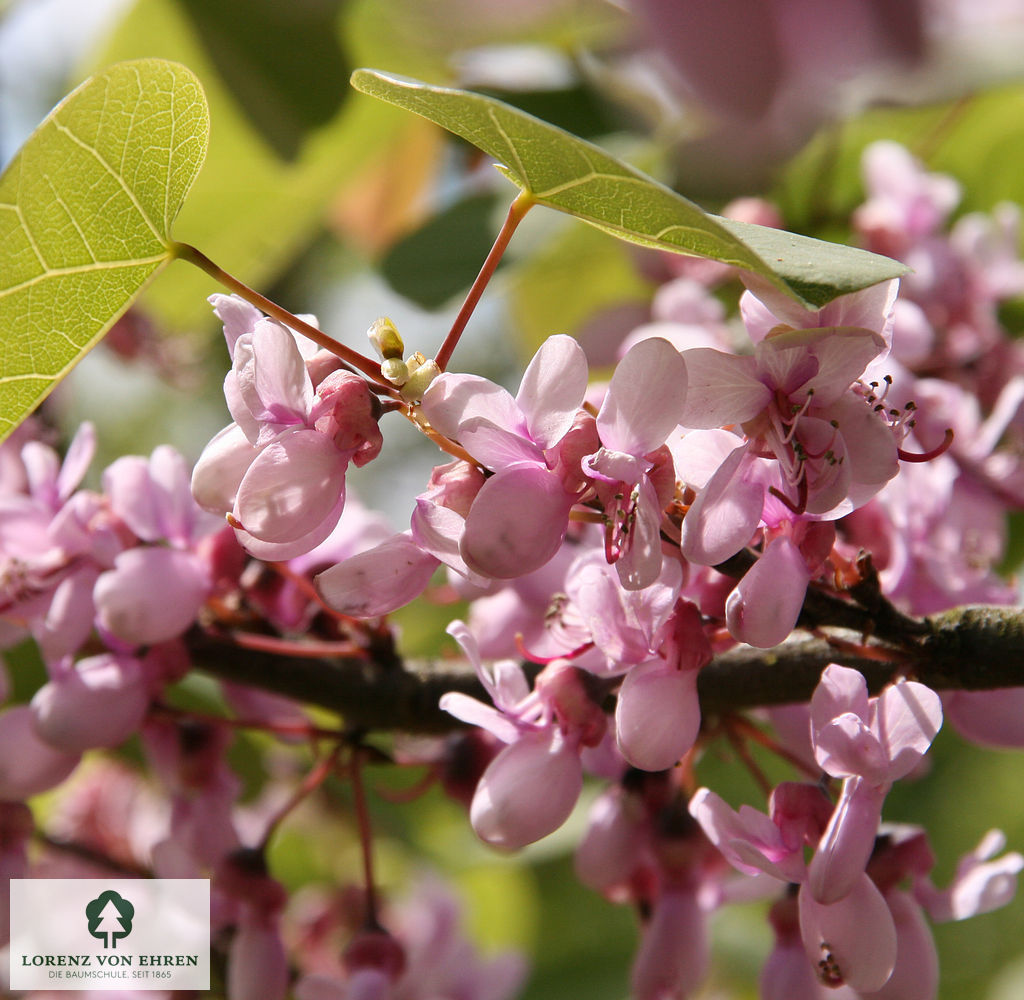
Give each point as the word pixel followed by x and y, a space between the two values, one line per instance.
pixel 110 917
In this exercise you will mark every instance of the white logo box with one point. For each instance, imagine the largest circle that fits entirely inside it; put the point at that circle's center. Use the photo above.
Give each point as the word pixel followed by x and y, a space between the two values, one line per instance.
pixel 110 934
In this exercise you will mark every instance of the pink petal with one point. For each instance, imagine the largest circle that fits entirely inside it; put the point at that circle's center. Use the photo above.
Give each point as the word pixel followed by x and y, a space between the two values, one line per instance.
pixel 907 716
pixel 552 389
pixel 645 398
pixel 841 689
pixel 725 514
pixel 76 461
pixel 673 956
pixel 378 581
pixel 610 848
pixel 28 765
pixel 178 516
pixel 657 715
pixel 829 480
pixel 847 747
pixel 439 530
pixel 842 357
pixel 991 718
pixel 763 307
pixel 721 389
pixel 787 975
pixel 100 702
pixel 237 315
pixel 527 791
pixel 640 565
pixel 698 454
pixel 764 606
pixel 494 447
pixel 221 466
pixel 856 936
pixel 301 546
pixel 69 618
pixel 870 445
pixel 453 398
pixel 846 845
pixel 291 487
pixel 257 962
pixel 281 380
pixel 517 522
pixel 476 713
pixel 748 840
pixel 126 481
pixel 151 595
pixel 916 975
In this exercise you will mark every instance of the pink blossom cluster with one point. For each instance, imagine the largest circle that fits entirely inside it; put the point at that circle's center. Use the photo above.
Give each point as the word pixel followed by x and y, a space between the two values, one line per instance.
pixel 589 528
pixel 609 537
pixel 106 583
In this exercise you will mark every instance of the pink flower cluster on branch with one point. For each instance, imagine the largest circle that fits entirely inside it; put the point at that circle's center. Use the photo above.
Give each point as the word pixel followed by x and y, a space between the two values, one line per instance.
pixel 595 531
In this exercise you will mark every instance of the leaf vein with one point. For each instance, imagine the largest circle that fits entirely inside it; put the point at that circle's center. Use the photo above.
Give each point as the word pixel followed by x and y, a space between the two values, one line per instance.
pixel 64 130
pixel 511 146
pixel 59 272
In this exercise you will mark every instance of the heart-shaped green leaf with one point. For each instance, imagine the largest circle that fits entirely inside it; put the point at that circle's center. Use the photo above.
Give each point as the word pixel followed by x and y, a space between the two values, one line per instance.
pixel 85 216
pixel 574 176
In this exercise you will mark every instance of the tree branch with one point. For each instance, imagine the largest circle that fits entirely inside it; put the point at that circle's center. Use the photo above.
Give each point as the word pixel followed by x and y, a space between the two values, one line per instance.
pixel 972 648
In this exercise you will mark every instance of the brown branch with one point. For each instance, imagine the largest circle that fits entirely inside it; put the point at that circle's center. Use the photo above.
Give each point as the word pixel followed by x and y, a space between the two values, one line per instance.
pixel 973 648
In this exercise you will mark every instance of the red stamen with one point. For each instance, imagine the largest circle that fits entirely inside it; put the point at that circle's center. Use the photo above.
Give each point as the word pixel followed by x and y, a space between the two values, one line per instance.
pixel 798 508
pixel 909 456
pixel 545 660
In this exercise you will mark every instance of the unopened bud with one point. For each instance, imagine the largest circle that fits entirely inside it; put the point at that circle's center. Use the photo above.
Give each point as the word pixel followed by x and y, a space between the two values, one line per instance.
pixel 386 339
pixel 419 381
pixel 415 360
pixel 395 370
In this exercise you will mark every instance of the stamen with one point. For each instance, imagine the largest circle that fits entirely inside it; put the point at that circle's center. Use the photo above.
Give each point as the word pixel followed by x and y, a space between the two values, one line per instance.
pixel 927 456
pixel 545 660
pixel 800 507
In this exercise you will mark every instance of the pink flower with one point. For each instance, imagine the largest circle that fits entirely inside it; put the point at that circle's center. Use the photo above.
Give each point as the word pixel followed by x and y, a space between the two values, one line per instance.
pixel 851 940
pixel 528 790
pixel 517 520
pixel 796 402
pixel 870 743
pixel 632 472
pixel 279 468
pixel 97 702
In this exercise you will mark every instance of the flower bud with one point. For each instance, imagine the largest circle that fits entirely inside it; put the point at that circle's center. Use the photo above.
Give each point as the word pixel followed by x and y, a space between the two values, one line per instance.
pixel 395 370
pixel 419 380
pixel 386 340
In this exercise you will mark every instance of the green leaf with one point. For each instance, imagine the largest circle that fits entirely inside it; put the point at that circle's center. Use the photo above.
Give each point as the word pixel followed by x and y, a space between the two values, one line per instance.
pixel 85 214
pixel 250 211
pixel 574 176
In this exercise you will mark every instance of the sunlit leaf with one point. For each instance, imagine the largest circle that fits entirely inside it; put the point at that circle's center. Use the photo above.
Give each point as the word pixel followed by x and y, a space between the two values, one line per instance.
pixel 85 214
pixel 569 174
pixel 252 211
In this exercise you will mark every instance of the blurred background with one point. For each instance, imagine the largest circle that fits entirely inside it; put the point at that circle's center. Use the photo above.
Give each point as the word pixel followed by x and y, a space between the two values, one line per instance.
pixel 337 205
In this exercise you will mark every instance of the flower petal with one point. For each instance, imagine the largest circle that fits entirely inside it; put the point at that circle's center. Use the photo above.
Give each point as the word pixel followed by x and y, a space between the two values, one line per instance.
pixel 657 715
pixel 645 398
pixel 379 580
pixel 721 389
pixel 552 389
pixel 517 522
pixel 527 791
pixel 764 606
pixel 854 938
pixel 725 514
pixel 291 486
